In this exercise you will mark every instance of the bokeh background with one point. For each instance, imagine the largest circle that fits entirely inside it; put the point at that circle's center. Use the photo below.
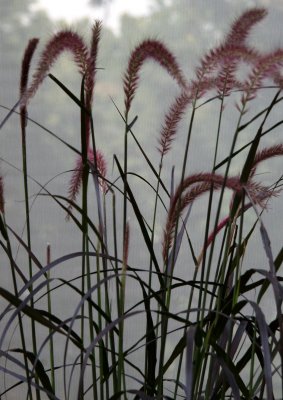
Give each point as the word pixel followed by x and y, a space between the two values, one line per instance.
pixel 189 28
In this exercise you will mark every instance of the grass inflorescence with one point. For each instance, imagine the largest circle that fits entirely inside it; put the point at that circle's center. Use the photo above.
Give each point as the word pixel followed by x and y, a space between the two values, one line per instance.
pixel 147 331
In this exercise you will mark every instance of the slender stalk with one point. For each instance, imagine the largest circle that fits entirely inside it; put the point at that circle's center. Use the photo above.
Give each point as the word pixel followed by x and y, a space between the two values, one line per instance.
pixel 117 283
pixel 49 307
pixel 204 280
pixel 99 318
pixel 151 261
pixel 85 239
pixel 170 268
pixel 26 195
pixel 22 334
pixel 121 363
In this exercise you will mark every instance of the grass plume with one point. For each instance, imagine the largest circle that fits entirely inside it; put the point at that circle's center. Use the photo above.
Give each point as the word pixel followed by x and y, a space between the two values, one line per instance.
pixel 126 274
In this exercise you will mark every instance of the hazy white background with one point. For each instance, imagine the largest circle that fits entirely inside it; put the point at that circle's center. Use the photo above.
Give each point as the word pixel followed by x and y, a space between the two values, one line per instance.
pixel 72 11
pixel 40 160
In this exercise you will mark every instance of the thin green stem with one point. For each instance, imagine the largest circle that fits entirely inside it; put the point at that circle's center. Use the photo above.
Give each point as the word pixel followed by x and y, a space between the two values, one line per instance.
pixel 49 308
pixel 85 238
pixel 170 268
pixel 26 195
pixel 22 334
pixel 121 366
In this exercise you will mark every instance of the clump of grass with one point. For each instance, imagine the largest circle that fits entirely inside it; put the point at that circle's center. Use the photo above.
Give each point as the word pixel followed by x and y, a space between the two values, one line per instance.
pixel 223 344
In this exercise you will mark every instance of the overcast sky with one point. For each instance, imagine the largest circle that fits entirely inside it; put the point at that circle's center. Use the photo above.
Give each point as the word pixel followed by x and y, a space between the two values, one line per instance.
pixel 79 8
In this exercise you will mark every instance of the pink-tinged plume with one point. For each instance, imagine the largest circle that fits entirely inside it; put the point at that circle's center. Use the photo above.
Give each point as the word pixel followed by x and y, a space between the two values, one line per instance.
pixel 92 60
pixel 217 71
pixel 65 40
pixel 149 49
pixel 91 73
pixel 243 25
pixel 28 54
pixel 267 67
pixel 268 152
pixel 262 197
pixel 172 119
pixel 76 180
pixel 198 184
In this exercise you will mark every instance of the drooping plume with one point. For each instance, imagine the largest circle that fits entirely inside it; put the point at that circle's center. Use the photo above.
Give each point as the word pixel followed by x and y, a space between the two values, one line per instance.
pixel 65 40
pixel 194 186
pixel 243 25
pixel 76 179
pixel 149 49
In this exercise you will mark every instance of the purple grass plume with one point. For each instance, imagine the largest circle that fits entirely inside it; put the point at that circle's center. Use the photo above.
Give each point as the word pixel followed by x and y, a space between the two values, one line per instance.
pixel 65 40
pixel 85 59
pixel 194 186
pixel 76 179
pixel 149 49
pixel 28 54
pixel 218 72
pixel 260 195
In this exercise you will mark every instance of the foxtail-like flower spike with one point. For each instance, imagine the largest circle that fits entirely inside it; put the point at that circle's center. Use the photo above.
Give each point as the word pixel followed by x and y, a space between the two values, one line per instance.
pixel 65 40
pixel 268 152
pixel 101 168
pixel 267 66
pixel 265 154
pixel 201 183
pixel 217 71
pixel 149 49
pixel 212 63
pixel 224 61
pixel 76 179
pixel 242 26
pixel 91 73
pixel 262 197
pixel 28 54
pixel 172 120
pixel 85 59
pixel 91 67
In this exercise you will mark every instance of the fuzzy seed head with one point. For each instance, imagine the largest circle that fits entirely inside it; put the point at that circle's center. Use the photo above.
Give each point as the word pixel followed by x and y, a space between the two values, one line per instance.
pixel 149 49
pixel 65 40
pixel 76 179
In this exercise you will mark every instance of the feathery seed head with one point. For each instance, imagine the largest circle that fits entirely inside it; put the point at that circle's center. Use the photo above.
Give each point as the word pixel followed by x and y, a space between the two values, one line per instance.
pixel 65 40
pixel 268 152
pixel 267 66
pixel 76 179
pixel 101 168
pixel 91 63
pixel 242 26
pixel 172 119
pixel 217 71
pixel 194 186
pixel 28 54
pixel 157 51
